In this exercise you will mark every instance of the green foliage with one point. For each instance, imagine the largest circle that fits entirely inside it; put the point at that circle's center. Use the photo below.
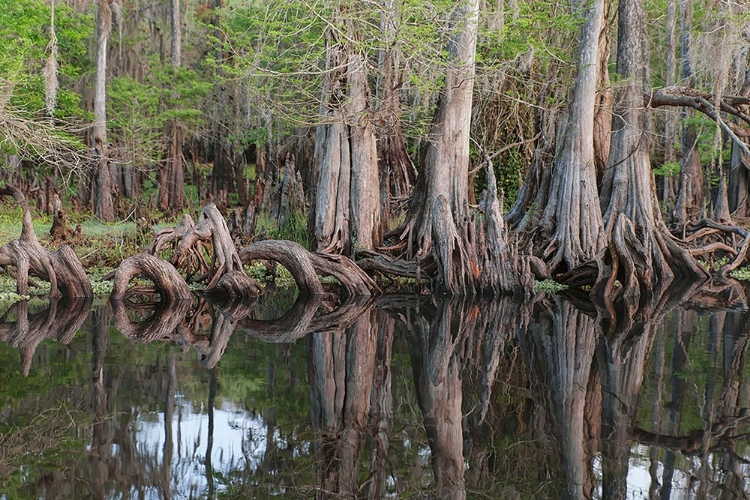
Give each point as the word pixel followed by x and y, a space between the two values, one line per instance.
pixel 295 228
pixel 549 286
pixel 711 147
pixel 529 29
pixel 742 274
pixel 24 36
pixel 668 169
pixel 141 110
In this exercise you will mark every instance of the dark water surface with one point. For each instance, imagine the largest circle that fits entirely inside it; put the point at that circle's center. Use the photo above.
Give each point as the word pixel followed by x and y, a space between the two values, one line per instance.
pixel 406 397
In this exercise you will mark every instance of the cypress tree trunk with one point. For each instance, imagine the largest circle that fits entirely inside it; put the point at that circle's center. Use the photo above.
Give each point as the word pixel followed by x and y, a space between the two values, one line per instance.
pixel 346 204
pixel 642 254
pixel 690 196
pixel 571 216
pixel 397 171
pixel 439 226
pixel 668 193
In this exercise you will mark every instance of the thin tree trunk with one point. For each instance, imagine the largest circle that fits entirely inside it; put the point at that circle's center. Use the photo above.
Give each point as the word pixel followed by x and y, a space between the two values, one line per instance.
pixel 670 118
pixel 690 195
pixel 51 83
pixel 221 177
pixel 397 171
pixel 103 201
pixel 171 170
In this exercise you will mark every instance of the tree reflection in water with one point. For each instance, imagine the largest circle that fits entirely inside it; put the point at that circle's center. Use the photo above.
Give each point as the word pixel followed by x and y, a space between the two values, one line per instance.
pixel 401 395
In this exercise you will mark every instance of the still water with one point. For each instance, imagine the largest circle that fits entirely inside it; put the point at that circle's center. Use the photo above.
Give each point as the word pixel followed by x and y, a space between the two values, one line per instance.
pixel 400 397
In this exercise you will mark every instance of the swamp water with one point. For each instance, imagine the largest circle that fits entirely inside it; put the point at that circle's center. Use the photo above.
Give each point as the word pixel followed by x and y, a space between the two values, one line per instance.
pixel 404 397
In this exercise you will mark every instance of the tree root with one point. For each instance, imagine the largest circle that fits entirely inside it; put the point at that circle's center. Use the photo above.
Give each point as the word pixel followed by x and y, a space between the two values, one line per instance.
pixel 160 325
pixel 290 255
pixel 716 238
pixel 61 268
pixel 169 283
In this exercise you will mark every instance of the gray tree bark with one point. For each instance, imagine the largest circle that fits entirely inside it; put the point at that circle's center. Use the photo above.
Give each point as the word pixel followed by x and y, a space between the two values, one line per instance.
pixel 572 216
pixel 104 207
pixel 642 253
pixel 346 213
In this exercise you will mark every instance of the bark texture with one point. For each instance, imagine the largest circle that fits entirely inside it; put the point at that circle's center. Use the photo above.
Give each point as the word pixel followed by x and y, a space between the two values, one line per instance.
pixel 168 282
pixel 104 206
pixel 346 203
pixel 572 217
pixel 440 230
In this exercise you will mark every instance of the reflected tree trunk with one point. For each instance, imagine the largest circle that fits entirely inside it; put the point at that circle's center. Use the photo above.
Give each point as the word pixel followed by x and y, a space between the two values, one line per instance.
pixel 341 368
pixel 382 406
pixel 657 411
pixel 102 433
pixel 735 349
pixel 435 351
pixel 564 342
pixel 683 334
pixel 166 487
pixel 210 444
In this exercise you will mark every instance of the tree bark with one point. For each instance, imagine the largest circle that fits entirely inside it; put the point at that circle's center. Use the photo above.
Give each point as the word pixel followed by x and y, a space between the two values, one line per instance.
pixel 690 195
pixel 571 215
pixel 397 171
pixel 171 171
pixel 104 207
pixel 642 253
pixel 347 196
pixel 439 227
pixel 169 284
pixel 670 118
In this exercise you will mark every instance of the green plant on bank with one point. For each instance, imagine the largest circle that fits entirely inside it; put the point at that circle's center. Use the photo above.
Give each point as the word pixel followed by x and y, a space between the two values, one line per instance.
pixel 549 286
pixel 742 274
pixel 295 228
